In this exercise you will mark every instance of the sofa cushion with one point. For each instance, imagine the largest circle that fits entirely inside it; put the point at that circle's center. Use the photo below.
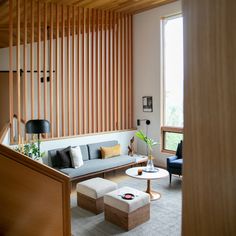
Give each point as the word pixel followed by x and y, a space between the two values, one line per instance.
pixel 108 152
pixel 54 161
pixel 176 163
pixel 76 157
pixel 94 148
pixel 65 159
pixel 95 165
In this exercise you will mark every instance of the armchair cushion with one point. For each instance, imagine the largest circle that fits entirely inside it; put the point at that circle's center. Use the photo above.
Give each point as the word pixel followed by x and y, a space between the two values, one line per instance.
pixel 176 163
pixel 170 159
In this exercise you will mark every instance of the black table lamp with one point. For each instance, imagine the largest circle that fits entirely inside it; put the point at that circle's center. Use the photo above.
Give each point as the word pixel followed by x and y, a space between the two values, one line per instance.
pixel 37 127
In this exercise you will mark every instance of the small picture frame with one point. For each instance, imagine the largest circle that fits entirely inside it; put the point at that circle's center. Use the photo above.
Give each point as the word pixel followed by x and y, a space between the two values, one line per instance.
pixel 147 104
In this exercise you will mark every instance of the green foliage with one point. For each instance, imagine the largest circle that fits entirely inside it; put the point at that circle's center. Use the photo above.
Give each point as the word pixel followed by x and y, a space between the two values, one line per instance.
pixel 150 142
pixel 29 149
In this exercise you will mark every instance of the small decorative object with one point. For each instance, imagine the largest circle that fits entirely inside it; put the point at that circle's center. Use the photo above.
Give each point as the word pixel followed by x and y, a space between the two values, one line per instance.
pixel 147 104
pixel 150 143
pixel 140 171
pixel 131 147
pixel 128 196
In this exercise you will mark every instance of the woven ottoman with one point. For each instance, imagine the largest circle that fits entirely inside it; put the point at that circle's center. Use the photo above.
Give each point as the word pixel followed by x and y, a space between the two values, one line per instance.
pixel 127 213
pixel 90 193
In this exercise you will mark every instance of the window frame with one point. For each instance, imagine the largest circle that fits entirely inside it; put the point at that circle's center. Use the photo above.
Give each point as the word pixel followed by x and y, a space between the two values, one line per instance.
pixel 166 129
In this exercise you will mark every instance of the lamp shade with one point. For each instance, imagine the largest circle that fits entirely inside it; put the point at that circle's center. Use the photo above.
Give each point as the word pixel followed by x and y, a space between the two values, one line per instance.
pixel 37 127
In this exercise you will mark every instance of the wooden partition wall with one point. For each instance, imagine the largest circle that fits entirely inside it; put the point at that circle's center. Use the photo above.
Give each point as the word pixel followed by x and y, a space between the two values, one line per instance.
pixel 209 176
pixel 75 65
pixel 35 199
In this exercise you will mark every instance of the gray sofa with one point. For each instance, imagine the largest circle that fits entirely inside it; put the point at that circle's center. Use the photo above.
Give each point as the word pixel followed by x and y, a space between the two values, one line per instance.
pixel 93 163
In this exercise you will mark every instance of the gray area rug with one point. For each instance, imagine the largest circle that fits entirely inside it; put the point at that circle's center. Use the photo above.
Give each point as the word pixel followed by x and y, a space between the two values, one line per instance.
pixel 165 218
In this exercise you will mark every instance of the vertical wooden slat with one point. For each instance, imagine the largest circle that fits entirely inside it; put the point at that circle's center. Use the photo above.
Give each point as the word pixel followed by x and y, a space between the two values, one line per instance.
pixel 92 72
pixel 32 59
pixel 126 84
pixel 83 75
pixel 113 73
pixel 105 72
pixel 88 70
pixel 62 69
pixel 68 72
pixel 121 74
pixel 39 60
pixel 78 59
pixel 73 72
pixel 124 78
pixel 117 71
pixel 51 70
pixel 18 73
pixel 101 74
pixel 57 73
pixel 11 68
pixel 119 62
pixel 131 71
pixel 130 78
pixel 98 95
pixel 109 72
pixel 45 61
pixel 25 60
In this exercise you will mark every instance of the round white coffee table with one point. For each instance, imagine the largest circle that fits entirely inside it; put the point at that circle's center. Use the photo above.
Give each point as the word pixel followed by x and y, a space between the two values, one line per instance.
pixel 161 173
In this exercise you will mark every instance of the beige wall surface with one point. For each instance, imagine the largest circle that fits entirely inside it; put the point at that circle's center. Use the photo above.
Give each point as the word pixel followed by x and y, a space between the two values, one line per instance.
pixel 147 71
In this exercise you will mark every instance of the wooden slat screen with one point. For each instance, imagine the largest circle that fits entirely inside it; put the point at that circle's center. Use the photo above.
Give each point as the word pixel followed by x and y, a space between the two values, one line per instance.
pixel 77 67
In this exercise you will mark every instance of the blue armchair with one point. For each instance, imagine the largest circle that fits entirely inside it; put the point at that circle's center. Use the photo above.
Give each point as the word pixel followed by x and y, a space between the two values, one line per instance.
pixel 174 163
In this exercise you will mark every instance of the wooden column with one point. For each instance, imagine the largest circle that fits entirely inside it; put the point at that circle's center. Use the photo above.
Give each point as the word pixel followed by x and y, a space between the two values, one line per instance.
pixel 209 192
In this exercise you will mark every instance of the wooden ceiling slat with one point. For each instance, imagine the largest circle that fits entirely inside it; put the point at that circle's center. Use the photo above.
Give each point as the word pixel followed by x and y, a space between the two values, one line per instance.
pixel 123 6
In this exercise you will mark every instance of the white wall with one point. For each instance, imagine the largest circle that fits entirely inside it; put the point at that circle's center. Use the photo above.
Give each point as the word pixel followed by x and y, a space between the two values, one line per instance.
pixel 147 70
pixel 122 137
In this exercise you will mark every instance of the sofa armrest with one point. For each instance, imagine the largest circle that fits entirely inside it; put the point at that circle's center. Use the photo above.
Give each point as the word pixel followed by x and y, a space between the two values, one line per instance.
pixel 170 159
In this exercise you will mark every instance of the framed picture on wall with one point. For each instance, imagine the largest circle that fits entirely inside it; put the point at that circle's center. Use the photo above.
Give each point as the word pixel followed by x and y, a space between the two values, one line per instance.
pixel 147 104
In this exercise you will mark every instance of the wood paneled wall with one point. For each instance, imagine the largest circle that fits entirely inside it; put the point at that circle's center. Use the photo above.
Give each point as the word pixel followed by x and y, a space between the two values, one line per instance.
pixel 209 176
pixel 77 67
pixel 35 199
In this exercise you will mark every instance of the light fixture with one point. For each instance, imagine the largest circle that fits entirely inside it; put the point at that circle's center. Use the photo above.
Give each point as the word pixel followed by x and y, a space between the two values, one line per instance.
pixel 37 127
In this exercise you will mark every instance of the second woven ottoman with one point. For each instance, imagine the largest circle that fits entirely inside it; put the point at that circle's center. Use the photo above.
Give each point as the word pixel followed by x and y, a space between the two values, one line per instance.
pixel 127 213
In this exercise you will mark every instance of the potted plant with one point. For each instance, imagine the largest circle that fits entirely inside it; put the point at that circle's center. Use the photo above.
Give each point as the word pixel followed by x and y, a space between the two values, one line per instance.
pixel 31 150
pixel 150 143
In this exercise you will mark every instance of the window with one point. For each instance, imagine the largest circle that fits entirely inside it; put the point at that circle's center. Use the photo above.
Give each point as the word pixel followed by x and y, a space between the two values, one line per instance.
pixel 172 48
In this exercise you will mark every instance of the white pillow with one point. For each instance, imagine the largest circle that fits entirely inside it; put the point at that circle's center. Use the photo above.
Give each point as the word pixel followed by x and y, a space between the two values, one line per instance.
pixel 76 157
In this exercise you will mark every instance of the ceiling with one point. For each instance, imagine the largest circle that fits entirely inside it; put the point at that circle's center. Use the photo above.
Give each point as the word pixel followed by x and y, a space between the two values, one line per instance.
pixel 126 6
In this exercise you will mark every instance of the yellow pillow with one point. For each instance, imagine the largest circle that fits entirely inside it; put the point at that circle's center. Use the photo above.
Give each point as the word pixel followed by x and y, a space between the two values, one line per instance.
pixel 110 151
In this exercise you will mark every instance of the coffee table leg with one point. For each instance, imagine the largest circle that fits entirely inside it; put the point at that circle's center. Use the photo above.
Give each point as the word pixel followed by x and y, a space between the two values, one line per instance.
pixel 153 195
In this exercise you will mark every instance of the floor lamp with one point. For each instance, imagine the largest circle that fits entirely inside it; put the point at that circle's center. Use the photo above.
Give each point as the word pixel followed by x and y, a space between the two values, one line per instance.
pixel 37 127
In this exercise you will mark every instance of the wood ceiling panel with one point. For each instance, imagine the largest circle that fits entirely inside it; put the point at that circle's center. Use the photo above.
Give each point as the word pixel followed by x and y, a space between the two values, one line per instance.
pixel 125 6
